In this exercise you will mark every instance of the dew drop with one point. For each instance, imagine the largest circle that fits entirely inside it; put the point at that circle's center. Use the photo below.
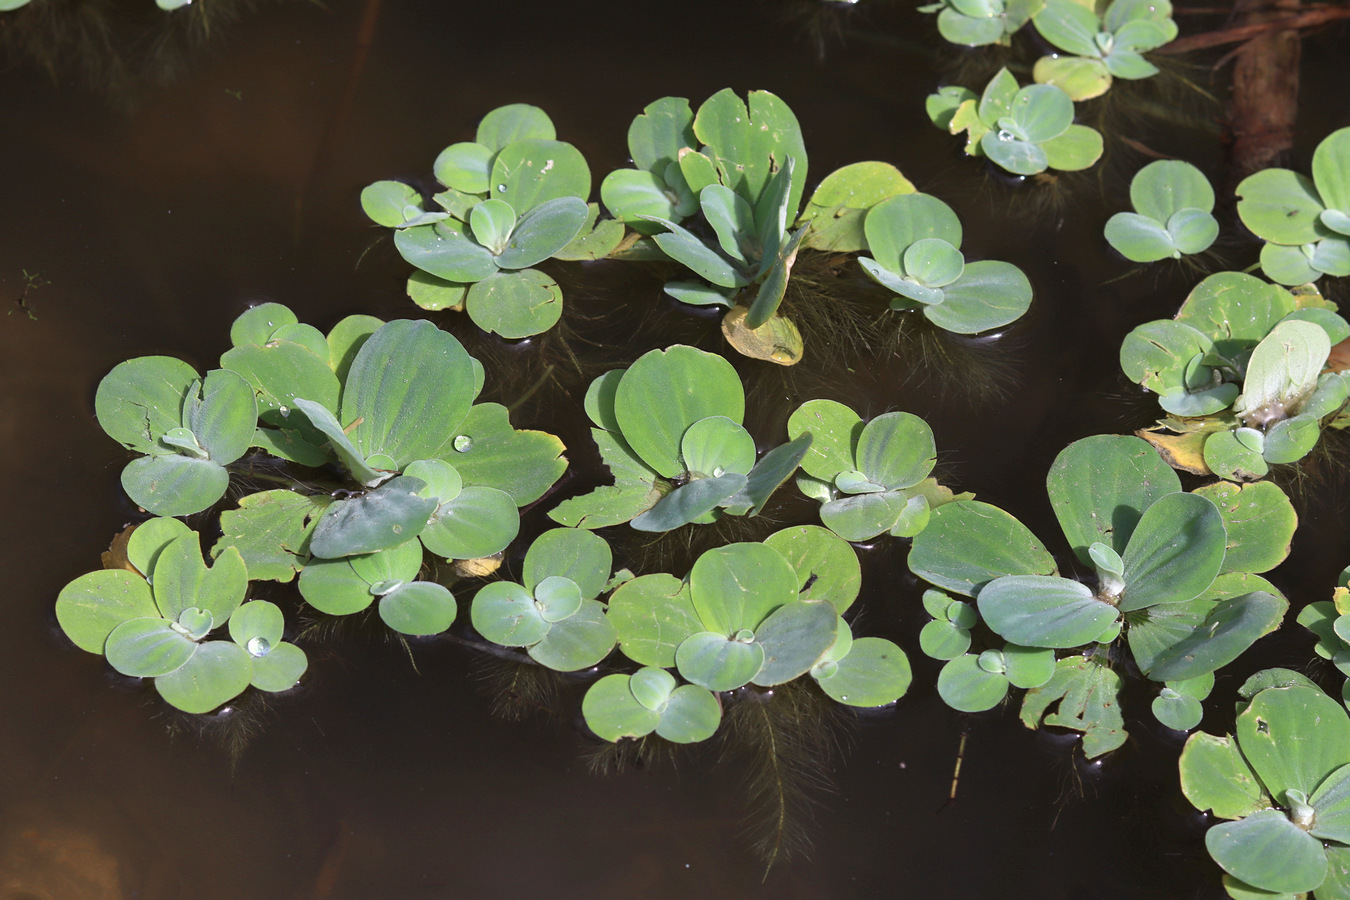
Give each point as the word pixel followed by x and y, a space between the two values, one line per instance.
pixel 718 472
pixel 258 646
pixel 501 188
pixel 463 443
pixel 1005 135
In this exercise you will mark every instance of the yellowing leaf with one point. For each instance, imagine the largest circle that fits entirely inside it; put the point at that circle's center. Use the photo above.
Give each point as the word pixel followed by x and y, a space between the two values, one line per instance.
pixel 776 341
pixel 1181 451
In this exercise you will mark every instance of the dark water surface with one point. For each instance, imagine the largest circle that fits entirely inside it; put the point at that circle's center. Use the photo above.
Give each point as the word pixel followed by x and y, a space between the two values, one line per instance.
pixel 238 182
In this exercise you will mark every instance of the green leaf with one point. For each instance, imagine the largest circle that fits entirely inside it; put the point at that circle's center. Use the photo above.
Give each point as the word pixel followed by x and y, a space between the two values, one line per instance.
pixel 1082 78
pixel 896 450
pixel 613 713
pixel 580 556
pixel 1175 552
pixel 1140 238
pixel 418 608
pixel 1041 112
pixel 596 240
pixel 1290 440
pixel 1165 187
pixel 1028 667
pixel 149 539
pixel 218 672
pixel 863 516
pixel 384 202
pixel 968 544
pixel 1042 611
pixel 514 122
pixel 941 639
pixel 1228 457
pixel 969 31
pixel 988 295
pixel 897 223
pixel 1077 148
pixel 966 687
pixel 543 231
pixel 257 323
pixel 1294 737
pixel 718 663
pixel 446 252
pixel 1236 311
pixel 736 586
pixel 257 619
pixel 271 530
pixel 839 204
pixel 1259 521
pixel 280 669
pixel 692 714
pixel 794 637
pixel 578 642
pixel 774 285
pixel 874 673
pixel 1268 851
pixel 91 606
pixel 685 248
pixel 1193 230
pixel 174 485
pixel 466 166
pixel 749 145
pixel 145 648
pixel 689 503
pixel 774 468
pixel 492 222
pixel 142 398
pixel 717 445
pixel 1282 371
pixel 827 568
pixel 327 424
pixel 835 430
pixel 652 615
pixel 1232 627
pixel 1087 692
pixel 479 522
pixel 181 579
pixel 666 391
pixel 280 371
pixel 515 304
pixel 1070 26
pixel 1101 485
pixel 524 464
pixel 1280 206
pixel 505 613
pixel 1331 171
pixel 1215 777
pixel 529 173
pixel 388 516
pixel 410 385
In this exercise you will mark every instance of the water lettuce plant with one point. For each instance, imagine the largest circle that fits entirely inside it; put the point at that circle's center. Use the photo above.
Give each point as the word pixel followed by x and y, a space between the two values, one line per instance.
pixel 1173 214
pixel 1304 221
pixel 915 242
pixel 155 618
pixel 553 613
pixel 1240 371
pixel 870 478
pixel 669 429
pixel 513 197
pixel 979 23
pixel 761 614
pixel 1281 781
pixel 1024 130
pixel 189 429
pixel 347 585
pixel 1101 43
pixel 1174 572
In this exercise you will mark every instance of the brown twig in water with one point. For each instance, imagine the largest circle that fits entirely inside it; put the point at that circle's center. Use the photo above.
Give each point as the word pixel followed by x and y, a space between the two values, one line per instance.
pixel 1238 33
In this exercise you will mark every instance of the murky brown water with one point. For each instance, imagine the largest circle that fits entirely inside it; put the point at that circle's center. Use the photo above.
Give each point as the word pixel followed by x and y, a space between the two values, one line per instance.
pixel 237 182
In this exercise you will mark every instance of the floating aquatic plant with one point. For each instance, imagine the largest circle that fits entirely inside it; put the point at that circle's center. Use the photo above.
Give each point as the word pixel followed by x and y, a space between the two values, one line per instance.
pixel 979 23
pixel 1174 572
pixel 1102 45
pixel 1281 780
pixel 1173 214
pixel 669 429
pixel 1024 130
pixel 155 619
pixel 1330 621
pixel 1240 371
pixel 1304 221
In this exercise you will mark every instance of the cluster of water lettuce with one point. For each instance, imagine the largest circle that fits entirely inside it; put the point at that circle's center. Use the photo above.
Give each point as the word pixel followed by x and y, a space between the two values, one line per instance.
pixel 1240 371
pixel 1100 41
pixel 1175 573
pixel 388 411
pixel 718 191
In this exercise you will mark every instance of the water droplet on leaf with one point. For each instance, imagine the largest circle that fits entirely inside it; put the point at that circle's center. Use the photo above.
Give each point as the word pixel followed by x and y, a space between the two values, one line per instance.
pixel 258 646
pixel 463 443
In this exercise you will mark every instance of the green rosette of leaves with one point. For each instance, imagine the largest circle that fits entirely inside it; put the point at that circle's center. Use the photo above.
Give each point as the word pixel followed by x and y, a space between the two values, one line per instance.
pixel 553 613
pixel 1282 780
pixel 1329 620
pixel 188 428
pixel 839 205
pixel 1304 221
pixel 514 197
pixel 431 464
pixel 1024 130
pixel 1240 370
pixel 870 478
pixel 669 429
pixel 1100 46
pixel 915 242
pixel 1173 214
pixel 1174 571
pixel 341 587
pixel 979 23
pixel 747 179
pixel 761 614
pixel 156 619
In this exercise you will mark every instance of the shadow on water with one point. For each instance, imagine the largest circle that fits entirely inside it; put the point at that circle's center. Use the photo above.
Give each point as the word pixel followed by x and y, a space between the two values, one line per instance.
pixel 149 227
